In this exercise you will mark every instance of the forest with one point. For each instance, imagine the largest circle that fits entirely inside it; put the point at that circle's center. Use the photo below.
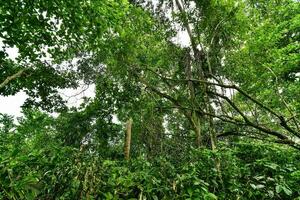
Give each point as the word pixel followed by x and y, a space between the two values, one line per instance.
pixel 193 99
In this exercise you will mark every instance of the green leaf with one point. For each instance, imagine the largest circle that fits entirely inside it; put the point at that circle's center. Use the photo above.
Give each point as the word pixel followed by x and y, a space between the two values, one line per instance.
pixel 287 191
pixel 278 189
pixel 210 196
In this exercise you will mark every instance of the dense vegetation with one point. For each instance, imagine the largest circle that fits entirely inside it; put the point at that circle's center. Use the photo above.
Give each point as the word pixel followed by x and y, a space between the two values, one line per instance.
pixel 193 99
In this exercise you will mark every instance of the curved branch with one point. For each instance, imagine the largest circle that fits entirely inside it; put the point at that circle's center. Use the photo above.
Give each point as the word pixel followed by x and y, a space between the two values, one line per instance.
pixel 12 77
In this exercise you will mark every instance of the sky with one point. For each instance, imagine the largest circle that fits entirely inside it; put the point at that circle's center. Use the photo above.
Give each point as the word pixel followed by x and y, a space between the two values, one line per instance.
pixel 12 104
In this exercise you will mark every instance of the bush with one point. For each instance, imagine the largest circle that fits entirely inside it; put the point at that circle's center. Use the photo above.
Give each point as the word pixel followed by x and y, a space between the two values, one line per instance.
pixel 29 170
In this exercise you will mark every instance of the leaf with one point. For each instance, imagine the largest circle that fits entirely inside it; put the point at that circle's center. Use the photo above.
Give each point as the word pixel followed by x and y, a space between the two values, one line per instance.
pixel 252 185
pixel 271 193
pixel 210 196
pixel 287 191
pixel 278 189
pixel 259 177
pixel 196 182
pixel 155 197
pixel 190 191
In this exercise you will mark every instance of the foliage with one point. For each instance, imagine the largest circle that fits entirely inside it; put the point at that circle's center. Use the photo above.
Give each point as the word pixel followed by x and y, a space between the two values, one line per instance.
pixel 216 117
pixel 54 171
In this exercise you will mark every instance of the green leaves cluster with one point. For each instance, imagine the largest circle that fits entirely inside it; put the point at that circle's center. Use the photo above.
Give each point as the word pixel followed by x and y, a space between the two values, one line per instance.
pixel 174 94
pixel 41 167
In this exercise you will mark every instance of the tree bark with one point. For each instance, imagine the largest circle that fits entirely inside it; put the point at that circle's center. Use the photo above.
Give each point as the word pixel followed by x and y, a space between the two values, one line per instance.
pixel 127 139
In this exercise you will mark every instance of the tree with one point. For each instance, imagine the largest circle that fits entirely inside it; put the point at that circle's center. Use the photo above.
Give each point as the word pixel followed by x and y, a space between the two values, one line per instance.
pixel 48 37
pixel 211 44
pixel 203 119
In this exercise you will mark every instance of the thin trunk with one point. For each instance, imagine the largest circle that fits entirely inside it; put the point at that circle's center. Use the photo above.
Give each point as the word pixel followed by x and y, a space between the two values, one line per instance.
pixel 188 28
pixel 212 131
pixel 127 139
pixel 197 128
pixel 196 119
pixel 213 141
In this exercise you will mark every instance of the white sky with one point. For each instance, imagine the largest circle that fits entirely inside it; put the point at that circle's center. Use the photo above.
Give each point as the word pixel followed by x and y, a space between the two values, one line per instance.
pixel 12 104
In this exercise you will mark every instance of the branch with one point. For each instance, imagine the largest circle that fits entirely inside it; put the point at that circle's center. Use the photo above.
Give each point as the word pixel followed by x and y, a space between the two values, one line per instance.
pixel 166 96
pixel 12 77
pixel 248 122
pixel 287 142
pixel 283 121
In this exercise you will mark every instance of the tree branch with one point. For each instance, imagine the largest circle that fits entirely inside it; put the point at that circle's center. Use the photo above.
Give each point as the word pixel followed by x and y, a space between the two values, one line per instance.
pixel 12 77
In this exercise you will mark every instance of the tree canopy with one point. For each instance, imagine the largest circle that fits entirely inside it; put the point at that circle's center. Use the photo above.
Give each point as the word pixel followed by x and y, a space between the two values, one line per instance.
pixel 216 118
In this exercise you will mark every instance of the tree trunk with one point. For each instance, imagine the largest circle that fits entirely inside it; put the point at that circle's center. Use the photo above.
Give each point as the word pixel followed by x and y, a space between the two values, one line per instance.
pixel 197 129
pixel 196 119
pixel 127 139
